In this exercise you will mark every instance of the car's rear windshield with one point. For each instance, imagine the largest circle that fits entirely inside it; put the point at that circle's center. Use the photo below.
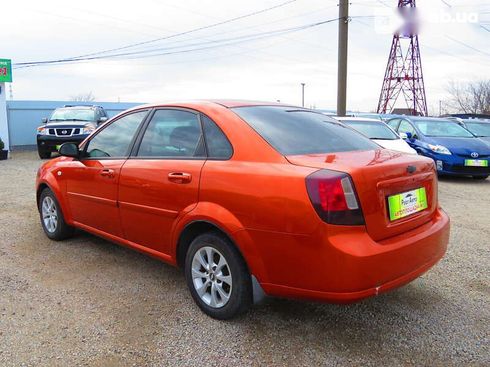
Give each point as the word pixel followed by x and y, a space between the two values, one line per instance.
pixel 293 131
pixel 73 114
pixel 443 129
pixel 372 129
pixel 479 128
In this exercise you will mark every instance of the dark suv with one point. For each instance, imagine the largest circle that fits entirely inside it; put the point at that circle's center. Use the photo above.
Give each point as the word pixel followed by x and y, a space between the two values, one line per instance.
pixel 68 124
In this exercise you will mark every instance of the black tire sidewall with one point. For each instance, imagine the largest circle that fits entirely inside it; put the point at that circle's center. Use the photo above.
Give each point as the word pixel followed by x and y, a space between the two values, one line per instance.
pixel 43 154
pixel 241 294
pixel 62 229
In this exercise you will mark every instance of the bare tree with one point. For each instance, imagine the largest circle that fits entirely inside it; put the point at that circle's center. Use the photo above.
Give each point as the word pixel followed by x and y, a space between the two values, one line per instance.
pixel 83 97
pixel 471 97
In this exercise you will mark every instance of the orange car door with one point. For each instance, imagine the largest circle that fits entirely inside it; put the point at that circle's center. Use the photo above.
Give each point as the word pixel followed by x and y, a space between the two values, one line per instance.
pixel 160 181
pixel 92 181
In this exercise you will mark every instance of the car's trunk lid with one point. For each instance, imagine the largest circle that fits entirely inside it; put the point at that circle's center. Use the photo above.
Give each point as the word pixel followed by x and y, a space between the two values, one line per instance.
pixel 377 175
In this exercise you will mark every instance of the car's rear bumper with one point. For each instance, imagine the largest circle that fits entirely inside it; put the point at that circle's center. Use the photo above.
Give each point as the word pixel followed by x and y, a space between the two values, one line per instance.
pixel 346 265
pixel 347 297
pixel 48 143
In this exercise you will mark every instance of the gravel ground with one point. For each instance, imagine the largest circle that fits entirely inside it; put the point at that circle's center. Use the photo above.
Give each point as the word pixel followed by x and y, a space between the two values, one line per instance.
pixel 89 302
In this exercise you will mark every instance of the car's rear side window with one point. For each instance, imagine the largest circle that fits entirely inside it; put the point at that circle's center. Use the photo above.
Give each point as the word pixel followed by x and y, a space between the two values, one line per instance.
pixel 217 143
pixel 294 131
pixel 172 133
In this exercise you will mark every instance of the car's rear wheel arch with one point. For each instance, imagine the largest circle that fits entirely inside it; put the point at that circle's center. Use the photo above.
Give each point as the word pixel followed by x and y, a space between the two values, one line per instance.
pixel 196 228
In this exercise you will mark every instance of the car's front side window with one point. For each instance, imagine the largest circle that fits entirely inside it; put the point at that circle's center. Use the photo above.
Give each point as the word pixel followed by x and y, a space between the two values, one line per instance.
pixel 172 133
pixel 114 140
pixel 406 127
pixel 393 124
pixel 481 129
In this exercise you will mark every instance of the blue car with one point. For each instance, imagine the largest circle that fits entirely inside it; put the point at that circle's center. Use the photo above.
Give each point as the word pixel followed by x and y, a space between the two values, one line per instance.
pixel 455 150
pixel 479 128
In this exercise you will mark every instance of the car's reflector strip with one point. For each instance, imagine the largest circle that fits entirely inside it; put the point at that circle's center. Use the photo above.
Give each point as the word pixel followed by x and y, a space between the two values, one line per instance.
pixel 350 196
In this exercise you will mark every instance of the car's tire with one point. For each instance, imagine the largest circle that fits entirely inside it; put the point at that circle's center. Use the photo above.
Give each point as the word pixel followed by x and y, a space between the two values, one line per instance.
pixel 52 219
pixel 222 288
pixel 43 154
pixel 480 177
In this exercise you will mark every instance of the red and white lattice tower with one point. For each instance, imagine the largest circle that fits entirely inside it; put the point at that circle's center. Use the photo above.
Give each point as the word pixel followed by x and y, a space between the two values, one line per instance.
pixel 404 70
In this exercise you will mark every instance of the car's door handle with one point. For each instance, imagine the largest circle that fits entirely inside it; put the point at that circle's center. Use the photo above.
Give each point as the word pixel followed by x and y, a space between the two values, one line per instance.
pixel 107 172
pixel 180 177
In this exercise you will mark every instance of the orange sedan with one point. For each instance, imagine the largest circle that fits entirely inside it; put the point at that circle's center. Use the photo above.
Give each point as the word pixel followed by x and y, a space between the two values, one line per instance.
pixel 250 199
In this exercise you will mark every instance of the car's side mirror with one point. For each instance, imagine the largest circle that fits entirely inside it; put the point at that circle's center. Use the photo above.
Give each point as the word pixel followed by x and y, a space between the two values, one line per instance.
pixel 408 135
pixel 44 120
pixel 102 120
pixel 69 150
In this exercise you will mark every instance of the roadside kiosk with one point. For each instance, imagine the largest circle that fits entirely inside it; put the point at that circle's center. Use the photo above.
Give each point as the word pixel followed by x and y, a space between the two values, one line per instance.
pixel 5 77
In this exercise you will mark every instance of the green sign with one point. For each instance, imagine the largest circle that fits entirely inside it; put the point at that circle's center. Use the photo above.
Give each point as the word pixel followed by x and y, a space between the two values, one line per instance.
pixel 5 71
pixel 476 162
pixel 407 203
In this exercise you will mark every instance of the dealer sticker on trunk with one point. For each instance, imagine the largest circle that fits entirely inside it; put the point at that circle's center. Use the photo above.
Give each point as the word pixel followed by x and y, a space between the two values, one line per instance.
pixel 407 203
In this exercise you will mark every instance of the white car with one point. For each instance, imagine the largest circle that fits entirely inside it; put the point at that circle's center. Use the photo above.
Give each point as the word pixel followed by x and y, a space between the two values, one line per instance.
pixel 379 132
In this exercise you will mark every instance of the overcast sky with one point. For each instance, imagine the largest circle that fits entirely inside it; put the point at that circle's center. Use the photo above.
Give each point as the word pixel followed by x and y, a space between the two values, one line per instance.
pixel 455 45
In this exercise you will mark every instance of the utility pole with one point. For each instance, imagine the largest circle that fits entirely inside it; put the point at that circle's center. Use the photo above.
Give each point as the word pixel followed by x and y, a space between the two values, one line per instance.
pixel 342 63
pixel 303 94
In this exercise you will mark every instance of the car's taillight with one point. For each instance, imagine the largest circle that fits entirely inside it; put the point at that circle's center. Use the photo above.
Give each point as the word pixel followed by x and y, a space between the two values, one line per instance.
pixel 334 198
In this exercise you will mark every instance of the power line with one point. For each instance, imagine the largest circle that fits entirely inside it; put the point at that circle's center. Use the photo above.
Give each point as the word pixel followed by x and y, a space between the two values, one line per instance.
pixel 446 3
pixel 268 24
pixel 383 3
pixel 443 52
pixel 189 31
pixel 148 53
pixel 468 46
pixel 38 63
pixel 485 28
pixel 228 32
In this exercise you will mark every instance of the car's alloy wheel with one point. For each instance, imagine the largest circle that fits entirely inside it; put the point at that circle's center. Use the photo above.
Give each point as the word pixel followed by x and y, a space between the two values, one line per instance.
pixel 52 219
pixel 212 277
pixel 217 276
pixel 49 214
